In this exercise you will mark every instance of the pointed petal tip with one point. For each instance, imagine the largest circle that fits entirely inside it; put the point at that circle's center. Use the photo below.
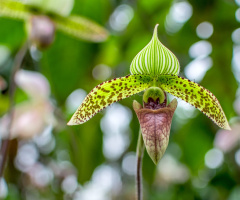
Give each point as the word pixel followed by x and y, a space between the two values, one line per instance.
pixel 72 122
pixel 155 31
pixel 103 36
pixel 227 127
pixel 173 103
pixel 155 158
pixel 136 105
pixel 155 161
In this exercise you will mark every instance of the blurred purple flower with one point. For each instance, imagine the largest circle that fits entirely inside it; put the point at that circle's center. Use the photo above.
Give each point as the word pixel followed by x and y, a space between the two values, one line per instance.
pixel 226 140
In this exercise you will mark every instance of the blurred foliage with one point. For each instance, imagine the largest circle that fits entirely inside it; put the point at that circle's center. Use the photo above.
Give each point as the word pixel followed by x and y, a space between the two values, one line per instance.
pixel 79 151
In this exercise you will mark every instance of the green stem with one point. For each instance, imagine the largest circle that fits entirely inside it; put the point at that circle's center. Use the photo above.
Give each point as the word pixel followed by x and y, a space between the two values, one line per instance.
pixel 12 87
pixel 140 151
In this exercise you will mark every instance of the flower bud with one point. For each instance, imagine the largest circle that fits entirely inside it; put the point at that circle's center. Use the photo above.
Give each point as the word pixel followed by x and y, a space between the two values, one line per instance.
pixel 41 30
pixel 155 126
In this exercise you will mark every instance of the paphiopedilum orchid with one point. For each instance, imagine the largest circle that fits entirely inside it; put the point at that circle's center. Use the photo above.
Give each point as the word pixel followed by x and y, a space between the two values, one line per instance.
pixel 154 70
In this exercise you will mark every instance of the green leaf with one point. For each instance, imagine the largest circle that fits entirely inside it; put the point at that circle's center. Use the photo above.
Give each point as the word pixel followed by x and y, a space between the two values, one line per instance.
pixel 81 28
pixel 195 95
pixel 14 9
pixel 155 59
pixel 107 93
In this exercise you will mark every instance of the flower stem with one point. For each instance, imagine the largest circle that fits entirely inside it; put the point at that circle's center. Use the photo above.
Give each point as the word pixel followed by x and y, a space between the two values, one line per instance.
pixel 12 87
pixel 140 151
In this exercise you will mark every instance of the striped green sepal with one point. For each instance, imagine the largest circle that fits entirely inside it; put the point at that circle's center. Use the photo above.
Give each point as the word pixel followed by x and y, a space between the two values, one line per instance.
pixel 14 9
pixel 81 28
pixel 107 93
pixel 155 59
pixel 195 95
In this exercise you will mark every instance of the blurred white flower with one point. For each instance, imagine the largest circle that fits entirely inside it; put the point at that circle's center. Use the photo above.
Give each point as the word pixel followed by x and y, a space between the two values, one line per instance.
pixel 226 140
pixel 214 158
pixel 32 116
pixel 106 182
pixel 69 184
pixel 3 188
pixel 172 171
pixel 27 157
pixel 179 14
pixel 40 175
pixel 121 17
pixel 204 30
pixel 33 83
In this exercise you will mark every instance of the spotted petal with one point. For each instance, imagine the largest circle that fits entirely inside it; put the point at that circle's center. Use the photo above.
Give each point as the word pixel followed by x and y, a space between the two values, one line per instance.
pixel 195 95
pixel 107 93
pixel 155 59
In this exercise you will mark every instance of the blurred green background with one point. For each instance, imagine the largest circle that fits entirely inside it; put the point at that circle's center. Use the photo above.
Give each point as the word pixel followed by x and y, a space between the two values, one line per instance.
pixel 96 160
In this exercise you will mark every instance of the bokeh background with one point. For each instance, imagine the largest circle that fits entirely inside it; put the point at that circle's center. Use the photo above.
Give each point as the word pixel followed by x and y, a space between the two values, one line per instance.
pixel 96 160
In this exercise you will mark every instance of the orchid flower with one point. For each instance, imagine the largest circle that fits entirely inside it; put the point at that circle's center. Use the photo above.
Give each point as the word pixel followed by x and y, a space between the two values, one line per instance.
pixel 154 70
